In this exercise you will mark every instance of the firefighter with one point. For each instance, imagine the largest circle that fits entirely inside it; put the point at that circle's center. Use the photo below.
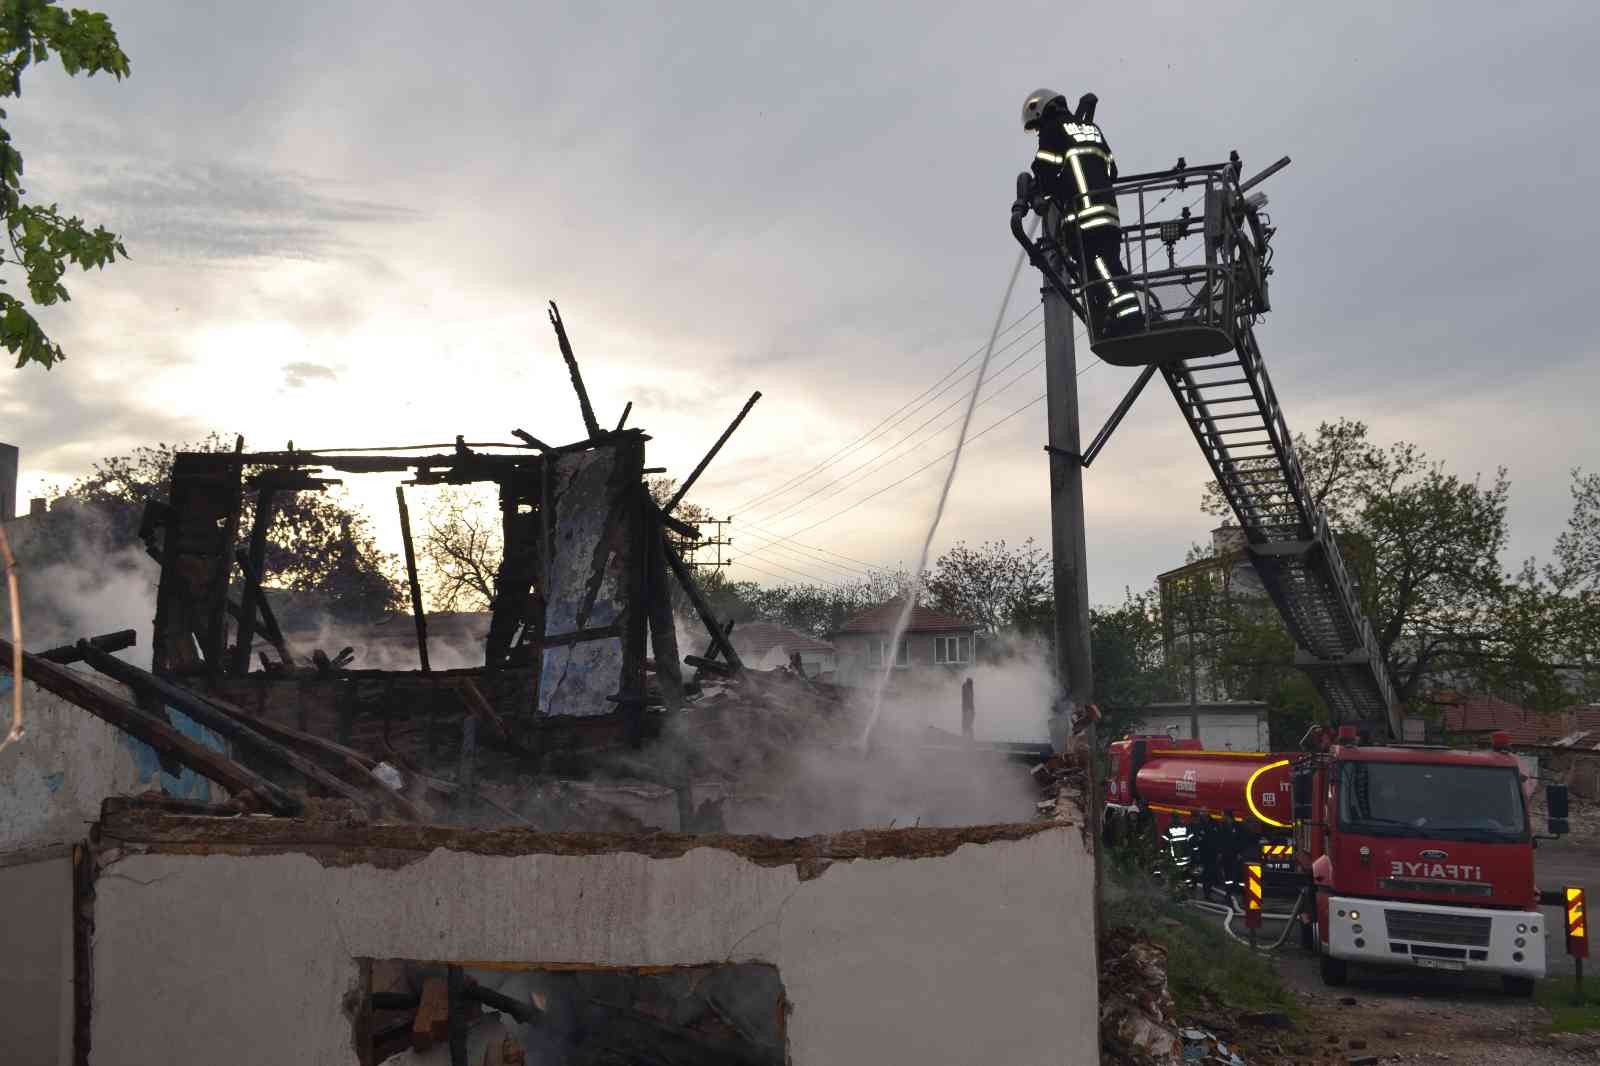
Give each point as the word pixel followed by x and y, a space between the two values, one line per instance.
pixel 1074 168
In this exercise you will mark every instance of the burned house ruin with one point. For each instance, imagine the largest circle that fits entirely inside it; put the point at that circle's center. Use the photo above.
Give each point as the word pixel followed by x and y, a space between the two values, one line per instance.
pixel 597 846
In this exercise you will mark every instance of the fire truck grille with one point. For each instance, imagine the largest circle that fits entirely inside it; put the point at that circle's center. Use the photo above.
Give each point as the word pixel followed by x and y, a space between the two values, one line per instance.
pixel 1436 887
pixel 1438 928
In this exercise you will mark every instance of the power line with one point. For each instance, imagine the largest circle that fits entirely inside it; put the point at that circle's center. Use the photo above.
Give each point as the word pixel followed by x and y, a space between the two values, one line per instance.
pixel 768 542
pixel 915 402
pixel 797 504
pixel 987 429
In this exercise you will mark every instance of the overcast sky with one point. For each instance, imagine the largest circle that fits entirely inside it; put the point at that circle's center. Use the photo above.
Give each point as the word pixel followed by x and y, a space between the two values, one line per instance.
pixel 345 219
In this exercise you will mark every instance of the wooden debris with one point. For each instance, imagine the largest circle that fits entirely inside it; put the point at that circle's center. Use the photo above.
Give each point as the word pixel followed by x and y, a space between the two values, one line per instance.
pixel 69 653
pixel 694 476
pixel 572 368
pixel 158 734
pixel 432 1021
pixel 417 614
pixel 202 711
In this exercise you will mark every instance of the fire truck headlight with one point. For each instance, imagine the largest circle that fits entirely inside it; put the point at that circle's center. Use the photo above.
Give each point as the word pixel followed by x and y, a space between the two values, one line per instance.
pixel 1521 943
pixel 1341 914
pixel 1533 928
pixel 1355 916
pixel 1356 927
pixel 1360 943
pixel 1516 956
pixel 1522 928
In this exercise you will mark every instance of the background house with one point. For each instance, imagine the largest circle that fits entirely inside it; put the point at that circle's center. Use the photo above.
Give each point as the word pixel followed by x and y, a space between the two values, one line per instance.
pixel 766 645
pixel 933 648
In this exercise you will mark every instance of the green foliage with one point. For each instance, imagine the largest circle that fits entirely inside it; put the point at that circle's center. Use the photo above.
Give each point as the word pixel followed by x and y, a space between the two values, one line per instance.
pixel 43 241
pixel 1206 968
pixel 993 585
pixel 1425 545
pixel 314 545
pixel 1567 1014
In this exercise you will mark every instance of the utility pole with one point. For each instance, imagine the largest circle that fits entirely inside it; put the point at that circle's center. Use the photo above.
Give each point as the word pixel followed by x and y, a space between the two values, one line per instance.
pixel 1074 669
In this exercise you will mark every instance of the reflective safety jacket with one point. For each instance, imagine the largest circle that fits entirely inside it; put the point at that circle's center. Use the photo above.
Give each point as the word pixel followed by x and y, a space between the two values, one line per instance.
pixel 1075 167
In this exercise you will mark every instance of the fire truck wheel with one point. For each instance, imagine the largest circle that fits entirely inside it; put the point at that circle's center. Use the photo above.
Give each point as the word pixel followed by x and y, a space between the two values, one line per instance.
pixel 1521 987
pixel 1334 971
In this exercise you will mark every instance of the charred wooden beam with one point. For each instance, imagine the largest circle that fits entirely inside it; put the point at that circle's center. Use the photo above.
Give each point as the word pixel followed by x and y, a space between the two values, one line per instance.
pixel 530 440
pixel 682 529
pixel 472 696
pixel 702 607
pixel 694 476
pixel 255 560
pixel 663 627
pixel 411 578
pixel 69 653
pixel 711 648
pixel 589 422
pixel 526 1013
pixel 217 622
pixel 202 711
pixel 710 666
pixel 269 621
pixel 456 1014
pixel 160 735
pixel 626 410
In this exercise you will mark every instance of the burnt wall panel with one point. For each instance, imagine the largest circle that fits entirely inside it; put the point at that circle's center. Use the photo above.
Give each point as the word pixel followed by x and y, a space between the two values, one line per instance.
pixel 594 551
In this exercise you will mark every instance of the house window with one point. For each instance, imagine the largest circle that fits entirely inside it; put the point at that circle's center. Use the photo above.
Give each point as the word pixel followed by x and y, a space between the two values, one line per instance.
pixel 952 649
pixel 878 650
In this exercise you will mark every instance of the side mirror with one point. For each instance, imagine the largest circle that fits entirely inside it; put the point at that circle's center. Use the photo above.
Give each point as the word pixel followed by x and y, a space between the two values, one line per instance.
pixel 1555 801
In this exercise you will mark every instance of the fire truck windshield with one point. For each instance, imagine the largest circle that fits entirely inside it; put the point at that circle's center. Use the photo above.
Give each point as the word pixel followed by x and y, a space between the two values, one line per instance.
pixel 1481 803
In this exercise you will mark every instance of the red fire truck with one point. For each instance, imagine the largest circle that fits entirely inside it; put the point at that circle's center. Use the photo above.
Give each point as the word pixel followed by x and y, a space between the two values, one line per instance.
pixel 1401 855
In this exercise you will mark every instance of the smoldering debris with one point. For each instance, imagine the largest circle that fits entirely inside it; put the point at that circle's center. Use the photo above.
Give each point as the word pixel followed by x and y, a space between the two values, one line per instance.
pixel 599 692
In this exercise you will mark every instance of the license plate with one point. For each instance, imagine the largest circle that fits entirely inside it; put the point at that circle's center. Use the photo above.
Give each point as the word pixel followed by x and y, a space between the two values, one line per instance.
pixel 1440 964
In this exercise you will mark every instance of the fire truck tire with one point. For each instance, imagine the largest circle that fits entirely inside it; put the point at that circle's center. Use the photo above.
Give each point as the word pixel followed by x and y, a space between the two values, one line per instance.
pixel 1308 937
pixel 1334 971
pixel 1521 987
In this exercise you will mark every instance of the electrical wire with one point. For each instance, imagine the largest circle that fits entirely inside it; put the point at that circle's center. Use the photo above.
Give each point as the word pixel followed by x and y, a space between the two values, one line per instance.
pixel 915 402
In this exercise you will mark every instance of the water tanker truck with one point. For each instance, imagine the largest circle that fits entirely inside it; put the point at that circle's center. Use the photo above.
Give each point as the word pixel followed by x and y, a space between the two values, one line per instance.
pixel 1399 855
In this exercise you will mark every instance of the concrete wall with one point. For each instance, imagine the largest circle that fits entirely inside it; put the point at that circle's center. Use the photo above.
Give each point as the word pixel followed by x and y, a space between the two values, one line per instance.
pixel 53 779
pixel 982 954
pixel 36 978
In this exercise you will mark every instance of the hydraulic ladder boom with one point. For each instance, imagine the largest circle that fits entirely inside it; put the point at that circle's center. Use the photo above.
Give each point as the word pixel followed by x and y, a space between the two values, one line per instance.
pixel 1234 414
pixel 1228 401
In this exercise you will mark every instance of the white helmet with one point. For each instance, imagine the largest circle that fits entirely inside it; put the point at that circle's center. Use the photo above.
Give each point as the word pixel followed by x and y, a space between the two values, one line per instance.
pixel 1037 103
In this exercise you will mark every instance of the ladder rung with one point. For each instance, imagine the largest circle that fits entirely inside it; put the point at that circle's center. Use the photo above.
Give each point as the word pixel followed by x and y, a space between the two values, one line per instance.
pixel 1213 384
pixel 1197 402
pixel 1232 414
pixel 1236 432
pixel 1218 365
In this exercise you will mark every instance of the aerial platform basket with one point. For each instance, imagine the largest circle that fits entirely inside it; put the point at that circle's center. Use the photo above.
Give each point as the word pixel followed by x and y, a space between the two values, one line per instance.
pixel 1196 251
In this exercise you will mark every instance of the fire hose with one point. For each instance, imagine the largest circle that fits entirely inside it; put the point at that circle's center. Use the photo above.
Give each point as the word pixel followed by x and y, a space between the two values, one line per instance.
pixel 1229 912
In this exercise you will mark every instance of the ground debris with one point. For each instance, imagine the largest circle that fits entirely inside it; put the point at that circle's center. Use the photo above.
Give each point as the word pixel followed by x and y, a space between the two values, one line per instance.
pixel 1137 1015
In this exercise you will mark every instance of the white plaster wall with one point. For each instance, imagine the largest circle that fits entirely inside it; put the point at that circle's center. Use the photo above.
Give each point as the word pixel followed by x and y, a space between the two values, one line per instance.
pixel 53 779
pixel 36 948
pixel 984 955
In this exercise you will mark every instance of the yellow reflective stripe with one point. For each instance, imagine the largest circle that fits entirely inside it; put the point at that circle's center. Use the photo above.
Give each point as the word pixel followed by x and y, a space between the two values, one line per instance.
pixel 1090 150
pixel 1092 223
pixel 1077 174
pixel 1124 313
pixel 1048 157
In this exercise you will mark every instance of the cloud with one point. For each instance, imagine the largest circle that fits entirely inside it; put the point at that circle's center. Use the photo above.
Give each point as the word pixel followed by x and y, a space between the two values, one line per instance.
pixel 298 375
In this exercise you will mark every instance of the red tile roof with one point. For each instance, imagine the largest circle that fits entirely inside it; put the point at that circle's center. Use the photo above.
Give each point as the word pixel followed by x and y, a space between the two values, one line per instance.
pixel 881 619
pixel 1487 714
pixel 756 639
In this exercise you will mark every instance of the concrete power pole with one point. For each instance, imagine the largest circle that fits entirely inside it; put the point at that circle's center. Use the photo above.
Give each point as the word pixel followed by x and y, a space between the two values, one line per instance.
pixel 1074 668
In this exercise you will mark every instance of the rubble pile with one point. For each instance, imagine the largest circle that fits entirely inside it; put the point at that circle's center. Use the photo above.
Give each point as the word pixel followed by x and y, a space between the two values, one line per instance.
pixel 1137 1014
pixel 1063 782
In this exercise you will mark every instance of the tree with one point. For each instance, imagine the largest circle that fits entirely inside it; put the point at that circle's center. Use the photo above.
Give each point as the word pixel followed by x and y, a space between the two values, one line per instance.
pixel 994 585
pixel 460 551
pixel 1128 649
pixel 315 544
pixel 1428 545
pixel 43 241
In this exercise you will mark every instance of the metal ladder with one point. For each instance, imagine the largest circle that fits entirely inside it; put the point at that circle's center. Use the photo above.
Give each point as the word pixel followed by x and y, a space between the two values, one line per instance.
pixel 1234 414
